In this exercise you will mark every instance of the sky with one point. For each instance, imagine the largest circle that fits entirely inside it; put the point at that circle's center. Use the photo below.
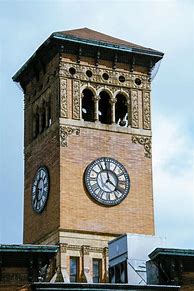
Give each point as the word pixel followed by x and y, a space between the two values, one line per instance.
pixel 167 26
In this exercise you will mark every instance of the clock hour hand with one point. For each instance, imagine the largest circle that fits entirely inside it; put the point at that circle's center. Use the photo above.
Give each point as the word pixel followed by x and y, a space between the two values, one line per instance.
pixel 108 177
pixel 111 183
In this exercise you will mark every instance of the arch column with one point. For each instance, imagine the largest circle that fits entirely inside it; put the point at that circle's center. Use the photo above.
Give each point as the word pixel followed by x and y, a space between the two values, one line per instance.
pixel 128 103
pixel 40 121
pixel 81 105
pixel 34 125
pixel 112 102
pixel 47 115
pixel 96 107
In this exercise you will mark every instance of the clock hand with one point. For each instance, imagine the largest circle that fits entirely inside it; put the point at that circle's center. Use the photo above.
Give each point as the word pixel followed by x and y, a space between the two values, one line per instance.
pixel 112 183
pixel 102 179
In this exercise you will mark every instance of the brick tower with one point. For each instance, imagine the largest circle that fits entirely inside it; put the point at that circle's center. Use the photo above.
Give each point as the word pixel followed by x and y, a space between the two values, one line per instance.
pixel 88 166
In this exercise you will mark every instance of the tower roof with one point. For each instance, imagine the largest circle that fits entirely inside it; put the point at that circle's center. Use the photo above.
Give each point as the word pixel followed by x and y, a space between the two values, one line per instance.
pixel 89 34
pixel 90 42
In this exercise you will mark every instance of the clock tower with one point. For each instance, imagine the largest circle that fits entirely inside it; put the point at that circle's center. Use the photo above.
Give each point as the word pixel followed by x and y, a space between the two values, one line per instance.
pixel 88 165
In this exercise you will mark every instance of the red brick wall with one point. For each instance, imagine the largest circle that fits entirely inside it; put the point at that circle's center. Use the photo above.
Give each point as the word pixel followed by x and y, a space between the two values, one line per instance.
pixel 78 211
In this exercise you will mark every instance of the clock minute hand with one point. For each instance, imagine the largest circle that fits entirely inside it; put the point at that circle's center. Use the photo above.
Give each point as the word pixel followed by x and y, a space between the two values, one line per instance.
pixel 107 171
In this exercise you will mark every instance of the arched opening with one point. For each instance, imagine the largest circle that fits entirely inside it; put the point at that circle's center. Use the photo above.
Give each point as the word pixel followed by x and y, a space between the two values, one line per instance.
pixel 104 108
pixel 88 105
pixel 43 120
pixel 36 124
pixel 121 111
pixel 48 114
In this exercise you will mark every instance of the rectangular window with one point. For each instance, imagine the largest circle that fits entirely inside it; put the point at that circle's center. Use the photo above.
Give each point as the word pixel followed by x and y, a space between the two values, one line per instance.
pixel 74 269
pixel 97 270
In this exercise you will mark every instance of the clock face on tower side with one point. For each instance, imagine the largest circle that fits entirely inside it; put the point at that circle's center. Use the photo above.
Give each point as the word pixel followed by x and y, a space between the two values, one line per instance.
pixel 107 181
pixel 40 189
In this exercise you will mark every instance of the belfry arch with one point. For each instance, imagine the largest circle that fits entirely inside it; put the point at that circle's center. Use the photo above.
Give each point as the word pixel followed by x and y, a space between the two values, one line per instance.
pixel 105 108
pixel 121 110
pixel 87 105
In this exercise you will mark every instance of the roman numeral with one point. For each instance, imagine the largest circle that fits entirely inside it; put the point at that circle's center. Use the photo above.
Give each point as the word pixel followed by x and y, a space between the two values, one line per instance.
pixel 107 196
pixel 100 167
pixel 100 193
pixel 94 187
pixel 115 166
pixel 35 203
pixel 107 164
pixel 92 178
pixel 122 184
pixel 120 174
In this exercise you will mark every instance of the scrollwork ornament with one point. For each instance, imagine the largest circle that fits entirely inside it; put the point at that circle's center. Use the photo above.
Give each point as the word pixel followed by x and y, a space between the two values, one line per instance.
pixel 66 131
pixel 135 111
pixel 63 98
pixel 76 99
pixel 146 111
pixel 146 142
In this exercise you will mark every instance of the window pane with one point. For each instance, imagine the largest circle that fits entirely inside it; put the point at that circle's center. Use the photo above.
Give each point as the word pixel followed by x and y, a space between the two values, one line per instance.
pixel 74 269
pixel 96 270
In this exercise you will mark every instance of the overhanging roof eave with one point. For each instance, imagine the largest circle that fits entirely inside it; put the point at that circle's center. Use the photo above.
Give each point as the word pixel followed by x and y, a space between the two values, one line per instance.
pixel 28 248
pixel 171 252
pixel 118 47
pixel 123 48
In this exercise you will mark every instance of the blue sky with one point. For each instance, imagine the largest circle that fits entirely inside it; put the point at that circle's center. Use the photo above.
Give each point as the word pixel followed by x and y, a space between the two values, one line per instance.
pixel 167 26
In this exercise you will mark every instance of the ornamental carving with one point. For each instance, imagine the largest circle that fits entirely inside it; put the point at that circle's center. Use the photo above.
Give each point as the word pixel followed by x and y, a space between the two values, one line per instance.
pixel 74 248
pixel 63 248
pixel 101 87
pixel 114 76
pixel 86 250
pixel 105 253
pixel 135 111
pixel 142 83
pixel 66 131
pixel 146 142
pixel 76 99
pixel 96 249
pixel 63 97
pixel 146 111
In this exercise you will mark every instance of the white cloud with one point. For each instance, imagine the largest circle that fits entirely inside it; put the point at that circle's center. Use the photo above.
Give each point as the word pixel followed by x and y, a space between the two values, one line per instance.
pixel 173 182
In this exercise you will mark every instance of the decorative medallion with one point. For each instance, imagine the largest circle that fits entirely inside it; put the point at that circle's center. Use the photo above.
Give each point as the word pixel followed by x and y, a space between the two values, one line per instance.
pixel 66 131
pixel 146 142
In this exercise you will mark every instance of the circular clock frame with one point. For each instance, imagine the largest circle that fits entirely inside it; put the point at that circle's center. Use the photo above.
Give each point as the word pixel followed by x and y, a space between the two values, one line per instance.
pixel 107 181
pixel 40 189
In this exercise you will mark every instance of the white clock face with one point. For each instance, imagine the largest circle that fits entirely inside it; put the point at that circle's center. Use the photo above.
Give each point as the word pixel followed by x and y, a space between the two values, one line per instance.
pixel 107 181
pixel 40 189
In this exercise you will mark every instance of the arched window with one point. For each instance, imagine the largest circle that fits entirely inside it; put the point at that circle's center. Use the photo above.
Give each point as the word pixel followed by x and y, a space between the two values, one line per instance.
pixel 49 116
pixel 36 129
pixel 121 111
pixel 104 108
pixel 43 120
pixel 87 105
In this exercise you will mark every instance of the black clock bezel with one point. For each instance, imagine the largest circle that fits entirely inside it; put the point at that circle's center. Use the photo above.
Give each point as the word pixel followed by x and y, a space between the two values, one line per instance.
pixel 91 192
pixel 45 169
